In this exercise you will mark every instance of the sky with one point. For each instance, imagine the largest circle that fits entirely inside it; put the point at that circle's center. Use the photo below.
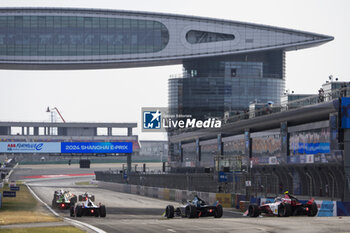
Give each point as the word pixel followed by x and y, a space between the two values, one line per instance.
pixel 117 95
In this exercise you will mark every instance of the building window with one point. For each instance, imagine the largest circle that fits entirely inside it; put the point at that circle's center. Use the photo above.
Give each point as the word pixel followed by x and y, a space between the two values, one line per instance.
pixel 197 37
pixel 233 72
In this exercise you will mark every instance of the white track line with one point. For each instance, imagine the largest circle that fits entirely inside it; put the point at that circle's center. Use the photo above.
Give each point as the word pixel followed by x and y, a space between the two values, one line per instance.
pixel 72 221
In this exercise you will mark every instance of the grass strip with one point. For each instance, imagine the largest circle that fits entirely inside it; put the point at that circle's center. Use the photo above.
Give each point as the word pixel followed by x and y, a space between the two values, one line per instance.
pixel 23 208
pixel 63 229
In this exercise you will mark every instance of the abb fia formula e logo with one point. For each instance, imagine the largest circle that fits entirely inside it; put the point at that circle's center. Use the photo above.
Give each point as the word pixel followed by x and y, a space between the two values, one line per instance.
pixel 24 146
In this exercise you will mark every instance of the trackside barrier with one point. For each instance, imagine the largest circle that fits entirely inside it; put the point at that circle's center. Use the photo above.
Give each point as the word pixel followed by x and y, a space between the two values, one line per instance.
pixel 326 208
pixel 343 208
pixel 155 192
pixel 166 194
pixel 161 193
pixel 171 194
pixel 225 199
pixel 133 189
pixel 212 198
pixel 178 195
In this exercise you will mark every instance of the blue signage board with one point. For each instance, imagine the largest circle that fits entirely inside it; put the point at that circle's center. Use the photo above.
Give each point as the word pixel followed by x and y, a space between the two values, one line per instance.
pixel 225 177
pixel 9 194
pixel 14 188
pixel 96 147
pixel 345 113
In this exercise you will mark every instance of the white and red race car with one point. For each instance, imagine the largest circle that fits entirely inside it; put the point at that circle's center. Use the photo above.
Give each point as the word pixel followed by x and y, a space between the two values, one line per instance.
pixel 284 207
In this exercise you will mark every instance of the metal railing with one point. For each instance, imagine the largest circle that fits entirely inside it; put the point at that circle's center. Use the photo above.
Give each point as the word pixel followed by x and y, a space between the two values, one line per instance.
pixel 307 101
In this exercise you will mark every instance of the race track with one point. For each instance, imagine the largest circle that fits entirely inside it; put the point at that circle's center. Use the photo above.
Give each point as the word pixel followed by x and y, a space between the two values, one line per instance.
pixel 132 213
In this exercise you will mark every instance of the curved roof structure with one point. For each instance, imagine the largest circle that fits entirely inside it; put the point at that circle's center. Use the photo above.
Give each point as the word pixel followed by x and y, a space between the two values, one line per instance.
pixel 67 38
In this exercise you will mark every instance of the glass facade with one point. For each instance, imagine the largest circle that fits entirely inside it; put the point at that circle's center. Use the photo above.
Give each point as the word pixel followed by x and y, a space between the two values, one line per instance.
pixel 196 37
pixel 189 155
pixel 210 87
pixel 267 149
pixel 207 155
pixel 79 36
pixel 315 141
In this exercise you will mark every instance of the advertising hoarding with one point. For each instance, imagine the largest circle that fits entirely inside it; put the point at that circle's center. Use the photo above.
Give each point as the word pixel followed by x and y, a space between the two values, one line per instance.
pixel 30 147
pixel 66 147
pixel 96 147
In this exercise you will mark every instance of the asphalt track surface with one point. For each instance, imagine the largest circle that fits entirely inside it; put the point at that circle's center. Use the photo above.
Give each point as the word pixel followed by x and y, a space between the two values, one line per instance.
pixel 132 213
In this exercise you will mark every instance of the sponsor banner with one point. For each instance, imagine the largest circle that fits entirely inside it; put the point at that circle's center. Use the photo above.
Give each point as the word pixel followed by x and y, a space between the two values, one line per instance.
pixel 273 160
pixel 224 199
pixel 345 113
pixel 9 194
pixel 310 148
pixel 15 188
pixel 326 208
pixel 30 147
pixel 343 208
pixel 309 158
pixel 96 147
pixel 334 157
pixel 226 177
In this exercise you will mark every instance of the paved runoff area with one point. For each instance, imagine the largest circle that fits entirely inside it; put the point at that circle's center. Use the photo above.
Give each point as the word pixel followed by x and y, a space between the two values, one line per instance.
pixel 133 213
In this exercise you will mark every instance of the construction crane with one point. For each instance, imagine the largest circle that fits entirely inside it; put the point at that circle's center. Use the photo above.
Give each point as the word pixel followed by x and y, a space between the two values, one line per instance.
pixel 56 109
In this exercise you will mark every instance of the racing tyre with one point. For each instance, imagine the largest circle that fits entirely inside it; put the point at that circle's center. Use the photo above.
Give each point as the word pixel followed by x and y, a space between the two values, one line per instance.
pixel 253 211
pixel 169 211
pixel 102 211
pixel 92 198
pixel 71 211
pixel 79 211
pixel 218 212
pixel 191 211
pixel 97 213
pixel 284 210
pixel 313 210
pixel 80 197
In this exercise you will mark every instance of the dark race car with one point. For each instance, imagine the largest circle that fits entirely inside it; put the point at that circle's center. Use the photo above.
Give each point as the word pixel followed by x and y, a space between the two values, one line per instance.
pixel 284 207
pixel 63 199
pixel 194 209
pixel 87 207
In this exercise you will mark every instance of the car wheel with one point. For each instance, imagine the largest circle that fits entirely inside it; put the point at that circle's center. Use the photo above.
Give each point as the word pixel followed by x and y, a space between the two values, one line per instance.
pixel 79 211
pixel 97 213
pixel 312 210
pixel 253 211
pixel 102 211
pixel 71 211
pixel 218 212
pixel 284 210
pixel 169 211
pixel 191 211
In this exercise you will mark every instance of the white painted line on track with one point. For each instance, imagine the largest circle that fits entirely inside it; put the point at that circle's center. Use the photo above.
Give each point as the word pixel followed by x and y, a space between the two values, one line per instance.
pixel 72 221
pixel 10 173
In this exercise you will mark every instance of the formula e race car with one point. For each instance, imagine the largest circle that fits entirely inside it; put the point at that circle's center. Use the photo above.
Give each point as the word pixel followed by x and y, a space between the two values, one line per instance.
pixel 284 207
pixel 63 199
pixel 86 207
pixel 194 209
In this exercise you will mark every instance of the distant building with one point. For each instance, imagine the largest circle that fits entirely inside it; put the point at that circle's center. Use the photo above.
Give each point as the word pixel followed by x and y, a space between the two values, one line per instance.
pixel 156 149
